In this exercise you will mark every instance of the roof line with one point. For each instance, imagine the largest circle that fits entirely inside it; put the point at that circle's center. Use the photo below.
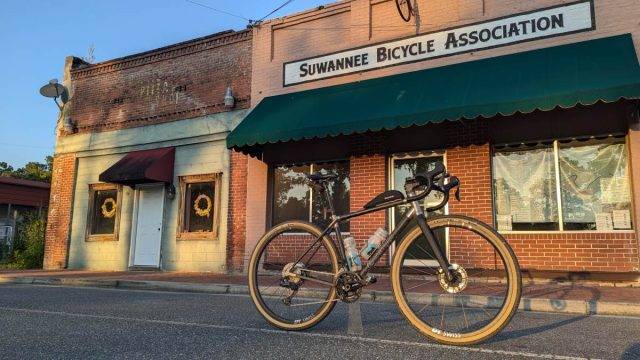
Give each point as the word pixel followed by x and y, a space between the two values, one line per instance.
pixel 83 69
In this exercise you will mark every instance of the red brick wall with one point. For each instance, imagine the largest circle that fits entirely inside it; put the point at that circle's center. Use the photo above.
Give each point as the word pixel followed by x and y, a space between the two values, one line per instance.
pixel 472 165
pixel 368 179
pixel 60 206
pixel 577 252
pixel 609 252
pixel 180 81
pixel 237 214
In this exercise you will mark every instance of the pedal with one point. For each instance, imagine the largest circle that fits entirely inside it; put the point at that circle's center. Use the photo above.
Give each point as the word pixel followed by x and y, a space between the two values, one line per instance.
pixel 370 280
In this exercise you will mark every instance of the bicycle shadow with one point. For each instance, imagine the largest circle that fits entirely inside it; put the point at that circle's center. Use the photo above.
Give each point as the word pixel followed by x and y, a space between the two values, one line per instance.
pixel 631 353
pixel 514 334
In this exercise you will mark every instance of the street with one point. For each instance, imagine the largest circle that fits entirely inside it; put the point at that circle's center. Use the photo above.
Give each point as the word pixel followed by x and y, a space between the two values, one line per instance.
pixel 64 322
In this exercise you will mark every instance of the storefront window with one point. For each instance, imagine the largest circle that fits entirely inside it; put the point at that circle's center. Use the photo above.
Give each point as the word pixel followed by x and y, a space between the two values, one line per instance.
pixel 591 177
pixel 104 208
pixel 595 186
pixel 294 198
pixel 524 183
pixel 199 204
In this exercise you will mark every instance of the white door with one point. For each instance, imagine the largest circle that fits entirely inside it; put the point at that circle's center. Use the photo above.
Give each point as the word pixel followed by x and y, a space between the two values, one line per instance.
pixel 148 226
pixel 407 166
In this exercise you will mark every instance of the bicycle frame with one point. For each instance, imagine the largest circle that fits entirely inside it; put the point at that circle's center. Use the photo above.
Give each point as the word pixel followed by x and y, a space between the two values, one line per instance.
pixel 417 211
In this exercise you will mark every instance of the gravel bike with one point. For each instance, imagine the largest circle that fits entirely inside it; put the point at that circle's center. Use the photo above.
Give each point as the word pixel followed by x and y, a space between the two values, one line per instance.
pixel 453 277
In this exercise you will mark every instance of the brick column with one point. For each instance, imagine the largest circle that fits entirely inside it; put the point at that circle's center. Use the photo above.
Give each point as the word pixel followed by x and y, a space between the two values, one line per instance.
pixel 60 205
pixel 237 214
pixel 256 205
pixel 360 31
pixel 368 179
pixel 634 165
pixel 472 164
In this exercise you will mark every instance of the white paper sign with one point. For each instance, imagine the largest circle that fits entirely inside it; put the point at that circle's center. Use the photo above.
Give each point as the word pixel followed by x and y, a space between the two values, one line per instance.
pixel 504 223
pixel 621 219
pixel 604 222
pixel 548 22
pixel 615 190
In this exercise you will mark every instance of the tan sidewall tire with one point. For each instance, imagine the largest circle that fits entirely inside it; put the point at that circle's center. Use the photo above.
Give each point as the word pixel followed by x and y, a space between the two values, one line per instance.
pixel 253 263
pixel 513 271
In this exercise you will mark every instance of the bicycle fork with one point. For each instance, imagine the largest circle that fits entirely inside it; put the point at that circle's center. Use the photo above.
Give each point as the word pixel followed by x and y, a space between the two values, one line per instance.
pixel 431 240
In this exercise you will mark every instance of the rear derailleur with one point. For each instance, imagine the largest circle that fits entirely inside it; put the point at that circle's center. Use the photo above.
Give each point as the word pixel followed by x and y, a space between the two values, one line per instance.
pixel 291 280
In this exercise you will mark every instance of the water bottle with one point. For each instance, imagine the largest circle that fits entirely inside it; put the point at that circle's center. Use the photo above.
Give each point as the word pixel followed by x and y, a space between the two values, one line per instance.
pixel 373 243
pixel 353 259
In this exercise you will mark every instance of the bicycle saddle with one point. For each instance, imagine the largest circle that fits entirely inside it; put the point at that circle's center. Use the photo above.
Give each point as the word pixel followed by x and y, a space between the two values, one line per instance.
pixel 318 176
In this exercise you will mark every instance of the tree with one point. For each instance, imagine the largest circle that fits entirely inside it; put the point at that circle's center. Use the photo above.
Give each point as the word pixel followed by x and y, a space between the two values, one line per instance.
pixel 31 171
pixel 5 169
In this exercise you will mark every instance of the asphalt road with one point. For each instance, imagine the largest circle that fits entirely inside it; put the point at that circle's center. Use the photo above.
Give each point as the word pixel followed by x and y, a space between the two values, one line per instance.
pixel 58 322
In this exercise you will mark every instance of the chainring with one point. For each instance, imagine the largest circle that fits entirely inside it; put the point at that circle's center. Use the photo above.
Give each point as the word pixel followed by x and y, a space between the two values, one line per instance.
pixel 348 286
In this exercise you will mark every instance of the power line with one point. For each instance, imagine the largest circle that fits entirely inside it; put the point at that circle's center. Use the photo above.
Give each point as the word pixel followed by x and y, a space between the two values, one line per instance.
pixel 275 10
pixel 220 11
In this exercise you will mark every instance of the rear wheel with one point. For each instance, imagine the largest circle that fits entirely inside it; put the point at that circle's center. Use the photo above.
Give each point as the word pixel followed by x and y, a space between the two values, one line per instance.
pixel 280 272
pixel 480 299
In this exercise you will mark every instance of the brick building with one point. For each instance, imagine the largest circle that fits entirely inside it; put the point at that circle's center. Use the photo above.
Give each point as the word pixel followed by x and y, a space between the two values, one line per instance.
pixel 533 105
pixel 141 171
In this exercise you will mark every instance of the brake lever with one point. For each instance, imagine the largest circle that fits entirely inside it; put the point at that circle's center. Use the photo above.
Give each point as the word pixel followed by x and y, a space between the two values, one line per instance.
pixel 457 193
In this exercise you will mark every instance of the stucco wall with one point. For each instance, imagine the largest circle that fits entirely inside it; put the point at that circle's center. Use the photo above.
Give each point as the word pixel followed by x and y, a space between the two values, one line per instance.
pixel 200 149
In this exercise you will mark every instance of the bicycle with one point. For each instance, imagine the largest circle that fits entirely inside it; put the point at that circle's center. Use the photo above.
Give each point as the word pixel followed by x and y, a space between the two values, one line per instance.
pixel 297 272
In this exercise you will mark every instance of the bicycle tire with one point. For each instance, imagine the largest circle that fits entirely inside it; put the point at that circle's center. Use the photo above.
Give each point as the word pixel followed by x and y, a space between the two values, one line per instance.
pixel 254 287
pixel 513 292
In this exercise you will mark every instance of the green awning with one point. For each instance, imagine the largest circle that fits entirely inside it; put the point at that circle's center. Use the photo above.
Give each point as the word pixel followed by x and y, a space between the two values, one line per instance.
pixel 563 76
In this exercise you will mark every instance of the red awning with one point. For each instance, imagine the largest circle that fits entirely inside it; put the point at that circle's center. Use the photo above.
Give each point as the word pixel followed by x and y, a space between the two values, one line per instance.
pixel 140 167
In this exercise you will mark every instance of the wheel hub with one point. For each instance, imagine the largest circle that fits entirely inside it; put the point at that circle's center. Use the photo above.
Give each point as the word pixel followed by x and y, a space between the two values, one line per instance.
pixel 291 275
pixel 458 282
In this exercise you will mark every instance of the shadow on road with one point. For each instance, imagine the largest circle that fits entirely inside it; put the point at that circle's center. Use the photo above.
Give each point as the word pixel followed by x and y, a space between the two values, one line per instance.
pixel 514 334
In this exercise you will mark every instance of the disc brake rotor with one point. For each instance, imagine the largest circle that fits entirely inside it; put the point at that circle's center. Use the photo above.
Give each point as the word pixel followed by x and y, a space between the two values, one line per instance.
pixel 459 281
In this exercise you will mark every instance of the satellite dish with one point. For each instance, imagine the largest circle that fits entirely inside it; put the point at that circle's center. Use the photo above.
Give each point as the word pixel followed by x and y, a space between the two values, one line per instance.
pixel 54 90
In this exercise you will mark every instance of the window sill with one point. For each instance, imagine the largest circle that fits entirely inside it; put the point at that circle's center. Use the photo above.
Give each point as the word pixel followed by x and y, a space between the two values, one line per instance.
pixel 100 238
pixel 197 236
pixel 301 233
pixel 558 232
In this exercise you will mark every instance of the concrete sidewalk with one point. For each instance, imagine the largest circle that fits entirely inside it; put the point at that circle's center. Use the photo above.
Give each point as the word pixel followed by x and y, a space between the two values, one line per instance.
pixel 574 298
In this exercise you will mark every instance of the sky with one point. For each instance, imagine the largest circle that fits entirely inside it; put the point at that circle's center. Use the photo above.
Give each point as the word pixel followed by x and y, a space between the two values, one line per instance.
pixel 37 35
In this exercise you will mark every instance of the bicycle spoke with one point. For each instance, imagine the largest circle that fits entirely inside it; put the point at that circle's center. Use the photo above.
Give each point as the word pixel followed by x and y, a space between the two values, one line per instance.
pixel 457 309
pixel 466 321
pixel 290 277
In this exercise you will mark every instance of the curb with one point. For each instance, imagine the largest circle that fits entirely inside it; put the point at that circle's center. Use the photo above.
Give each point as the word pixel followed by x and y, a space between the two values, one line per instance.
pixel 577 307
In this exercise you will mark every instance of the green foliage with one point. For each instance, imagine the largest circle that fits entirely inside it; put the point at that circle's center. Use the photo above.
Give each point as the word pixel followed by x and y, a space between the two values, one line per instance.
pixel 28 248
pixel 31 171
pixel 5 169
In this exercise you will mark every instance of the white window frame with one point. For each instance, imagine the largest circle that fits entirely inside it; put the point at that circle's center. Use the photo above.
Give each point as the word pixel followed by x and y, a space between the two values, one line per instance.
pixel 310 217
pixel 556 160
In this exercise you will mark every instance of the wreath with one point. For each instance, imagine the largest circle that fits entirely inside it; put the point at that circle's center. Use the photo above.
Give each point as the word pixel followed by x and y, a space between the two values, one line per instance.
pixel 202 211
pixel 106 211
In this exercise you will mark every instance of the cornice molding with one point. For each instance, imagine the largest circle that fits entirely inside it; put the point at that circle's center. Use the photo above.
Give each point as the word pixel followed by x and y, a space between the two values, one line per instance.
pixel 169 52
pixel 242 103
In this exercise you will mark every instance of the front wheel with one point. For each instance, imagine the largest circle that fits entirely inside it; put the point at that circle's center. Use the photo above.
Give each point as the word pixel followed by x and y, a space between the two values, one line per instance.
pixel 482 296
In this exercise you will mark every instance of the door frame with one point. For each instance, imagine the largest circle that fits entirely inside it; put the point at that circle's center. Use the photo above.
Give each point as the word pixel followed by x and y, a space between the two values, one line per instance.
pixel 392 211
pixel 134 224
